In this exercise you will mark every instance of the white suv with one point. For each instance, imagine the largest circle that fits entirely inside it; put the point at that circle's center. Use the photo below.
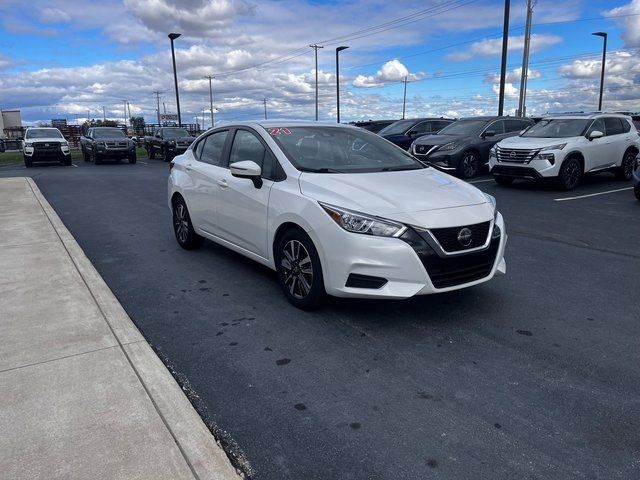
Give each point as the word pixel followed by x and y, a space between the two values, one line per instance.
pixel 566 147
pixel 45 144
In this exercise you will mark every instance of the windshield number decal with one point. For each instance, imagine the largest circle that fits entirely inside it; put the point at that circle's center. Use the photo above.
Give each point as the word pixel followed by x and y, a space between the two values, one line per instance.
pixel 275 131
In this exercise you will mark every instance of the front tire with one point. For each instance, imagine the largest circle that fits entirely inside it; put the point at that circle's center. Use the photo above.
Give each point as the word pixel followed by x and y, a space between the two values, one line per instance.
pixel 28 163
pixel 95 156
pixel 625 170
pixel 85 155
pixel 636 190
pixel 299 270
pixel 133 158
pixel 469 165
pixel 183 227
pixel 166 155
pixel 66 161
pixel 151 152
pixel 570 174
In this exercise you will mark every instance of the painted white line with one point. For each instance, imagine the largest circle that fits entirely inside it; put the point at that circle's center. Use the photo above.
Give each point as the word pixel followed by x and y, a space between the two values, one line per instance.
pixel 144 163
pixel 482 181
pixel 592 194
pixel 74 165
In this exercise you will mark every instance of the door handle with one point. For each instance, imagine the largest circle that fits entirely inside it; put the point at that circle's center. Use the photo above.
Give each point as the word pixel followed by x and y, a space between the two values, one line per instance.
pixel 188 167
pixel 222 183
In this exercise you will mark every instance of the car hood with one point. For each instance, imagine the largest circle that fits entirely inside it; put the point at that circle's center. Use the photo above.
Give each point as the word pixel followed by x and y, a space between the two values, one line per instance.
pixel 181 139
pixel 530 142
pixel 112 139
pixel 438 139
pixel 389 194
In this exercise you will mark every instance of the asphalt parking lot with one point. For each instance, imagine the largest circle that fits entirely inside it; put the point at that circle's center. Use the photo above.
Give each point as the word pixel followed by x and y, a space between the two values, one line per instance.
pixel 531 376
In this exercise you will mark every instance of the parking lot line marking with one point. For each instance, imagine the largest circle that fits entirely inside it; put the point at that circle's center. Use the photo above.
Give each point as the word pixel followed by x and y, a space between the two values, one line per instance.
pixel 74 165
pixel 144 163
pixel 481 181
pixel 592 194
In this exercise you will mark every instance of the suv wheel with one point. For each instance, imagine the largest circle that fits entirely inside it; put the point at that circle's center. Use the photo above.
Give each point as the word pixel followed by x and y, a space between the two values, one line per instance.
pixel 636 190
pixel 625 170
pixel 28 163
pixel 133 158
pixel 501 180
pixel 151 152
pixel 183 228
pixel 85 155
pixel 66 161
pixel 166 155
pixel 570 174
pixel 299 270
pixel 469 165
pixel 95 156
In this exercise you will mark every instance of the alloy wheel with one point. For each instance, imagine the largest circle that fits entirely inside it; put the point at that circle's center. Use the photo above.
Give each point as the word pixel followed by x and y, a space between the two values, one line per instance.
pixel 181 222
pixel 572 174
pixel 627 166
pixel 298 269
pixel 469 165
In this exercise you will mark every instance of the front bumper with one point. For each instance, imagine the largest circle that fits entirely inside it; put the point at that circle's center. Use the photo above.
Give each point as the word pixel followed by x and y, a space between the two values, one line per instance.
pixel 46 151
pixel 116 152
pixel 447 160
pixel 535 169
pixel 407 269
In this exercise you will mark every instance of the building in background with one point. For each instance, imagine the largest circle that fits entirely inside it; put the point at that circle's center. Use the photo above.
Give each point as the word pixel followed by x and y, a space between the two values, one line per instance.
pixel 10 122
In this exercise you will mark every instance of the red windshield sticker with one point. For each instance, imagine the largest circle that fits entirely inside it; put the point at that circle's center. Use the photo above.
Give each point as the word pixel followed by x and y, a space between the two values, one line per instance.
pixel 275 131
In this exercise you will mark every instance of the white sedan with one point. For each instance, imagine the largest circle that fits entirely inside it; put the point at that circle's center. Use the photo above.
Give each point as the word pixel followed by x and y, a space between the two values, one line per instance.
pixel 334 210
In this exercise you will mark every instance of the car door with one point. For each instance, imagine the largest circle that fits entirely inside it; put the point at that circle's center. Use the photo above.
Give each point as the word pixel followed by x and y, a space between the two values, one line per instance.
pixel 596 152
pixel 617 139
pixel 486 142
pixel 242 208
pixel 206 171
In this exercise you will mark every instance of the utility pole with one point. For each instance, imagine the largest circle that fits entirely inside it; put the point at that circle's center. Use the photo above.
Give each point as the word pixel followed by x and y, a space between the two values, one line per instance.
pixel 203 110
pixel 264 101
pixel 210 77
pixel 164 108
pixel 88 119
pixel 129 109
pixel 158 103
pixel 524 75
pixel 125 112
pixel 404 98
pixel 315 48
pixel 505 46
pixel 604 59
pixel 104 114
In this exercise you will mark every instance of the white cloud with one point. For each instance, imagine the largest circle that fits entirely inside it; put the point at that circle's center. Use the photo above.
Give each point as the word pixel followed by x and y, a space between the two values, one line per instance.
pixel 513 76
pixel 392 71
pixel 631 23
pixel 493 46
pixel 509 89
pixel 53 15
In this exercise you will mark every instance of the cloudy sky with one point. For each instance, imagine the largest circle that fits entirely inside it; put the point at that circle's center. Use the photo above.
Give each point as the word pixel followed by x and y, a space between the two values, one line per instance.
pixel 68 58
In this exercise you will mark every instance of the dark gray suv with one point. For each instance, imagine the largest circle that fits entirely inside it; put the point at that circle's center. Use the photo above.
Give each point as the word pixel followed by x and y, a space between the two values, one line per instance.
pixel 463 147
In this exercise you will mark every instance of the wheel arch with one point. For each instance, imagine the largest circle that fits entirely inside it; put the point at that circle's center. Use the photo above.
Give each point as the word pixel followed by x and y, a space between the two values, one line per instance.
pixel 631 148
pixel 577 154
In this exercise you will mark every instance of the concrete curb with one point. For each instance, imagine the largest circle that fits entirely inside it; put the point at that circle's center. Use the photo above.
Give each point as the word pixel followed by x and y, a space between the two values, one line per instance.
pixel 204 456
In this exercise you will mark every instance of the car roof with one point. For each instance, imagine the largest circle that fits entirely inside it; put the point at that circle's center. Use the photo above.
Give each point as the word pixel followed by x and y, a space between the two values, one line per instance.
pixel 584 116
pixel 488 118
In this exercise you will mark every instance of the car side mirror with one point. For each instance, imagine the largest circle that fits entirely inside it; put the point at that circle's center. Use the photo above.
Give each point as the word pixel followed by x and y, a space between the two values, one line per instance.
pixel 247 169
pixel 489 133
pixel 596 134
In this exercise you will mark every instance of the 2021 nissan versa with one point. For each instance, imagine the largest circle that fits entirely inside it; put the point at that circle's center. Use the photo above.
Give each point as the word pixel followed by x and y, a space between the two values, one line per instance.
pixel 334 210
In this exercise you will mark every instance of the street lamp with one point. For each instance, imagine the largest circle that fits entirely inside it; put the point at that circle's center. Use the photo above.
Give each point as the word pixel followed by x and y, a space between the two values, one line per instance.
pixel 338 50
pixel 172 37
pixel 604 58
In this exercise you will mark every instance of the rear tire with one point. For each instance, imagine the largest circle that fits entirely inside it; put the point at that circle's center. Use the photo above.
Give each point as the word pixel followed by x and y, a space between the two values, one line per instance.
pixel 570 174
pixel 85 155
pixel 132 158
pixel 625 170
pixel 469 165
pixel 299 270
pixel 183 227
pixel 504 181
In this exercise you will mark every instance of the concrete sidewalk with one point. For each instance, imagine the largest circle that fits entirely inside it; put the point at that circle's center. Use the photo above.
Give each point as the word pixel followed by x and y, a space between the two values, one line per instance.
pixel 82 394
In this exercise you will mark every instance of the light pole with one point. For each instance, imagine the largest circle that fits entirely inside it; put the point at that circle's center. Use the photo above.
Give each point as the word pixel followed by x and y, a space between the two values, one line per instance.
pixel 404 98
pixel 604 59
pixel 338 50
pixel 315 48
pixel 172 37
pixel 503 65
pixel 264 102
pixel 210 77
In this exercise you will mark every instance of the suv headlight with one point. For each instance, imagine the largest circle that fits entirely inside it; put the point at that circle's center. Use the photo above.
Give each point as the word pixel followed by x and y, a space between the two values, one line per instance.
pixel 558 146
pixel 64 144
pixel 360 223
pixel 449 146
pixel 28 144
pixel 492 152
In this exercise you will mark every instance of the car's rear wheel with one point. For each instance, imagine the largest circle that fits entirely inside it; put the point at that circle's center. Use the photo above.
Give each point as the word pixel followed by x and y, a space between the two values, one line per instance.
pixel 299 270
pixel 151 152
pixel 85 155
pixel 469 165
pixel 570 174
pixel 183 227
pixel 502 180
pixel 625 170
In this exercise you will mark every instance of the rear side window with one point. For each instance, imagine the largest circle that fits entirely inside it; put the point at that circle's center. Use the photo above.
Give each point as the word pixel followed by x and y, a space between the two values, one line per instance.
pixel 246 146
pixel 423 127
pixel 613 126
pixel 496 127
pixel 213 148
pixel 515 125
pixel 626 127
pixel 437 126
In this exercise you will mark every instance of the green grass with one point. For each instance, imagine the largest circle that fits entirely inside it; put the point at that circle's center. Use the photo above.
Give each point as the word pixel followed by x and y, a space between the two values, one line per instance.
pixel 76 156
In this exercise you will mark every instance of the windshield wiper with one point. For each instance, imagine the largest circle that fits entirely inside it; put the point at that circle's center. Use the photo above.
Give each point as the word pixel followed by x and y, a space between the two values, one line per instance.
pixel 320 170
pixel 400 169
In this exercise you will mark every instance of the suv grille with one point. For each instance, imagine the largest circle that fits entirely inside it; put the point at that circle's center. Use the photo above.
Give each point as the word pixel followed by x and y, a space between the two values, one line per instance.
pixel 448 237
pixel 116 144
pixel 46 148
pixel 515 155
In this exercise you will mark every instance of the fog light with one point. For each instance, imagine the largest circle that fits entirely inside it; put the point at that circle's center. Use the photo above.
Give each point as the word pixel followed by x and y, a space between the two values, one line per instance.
pixel 496 232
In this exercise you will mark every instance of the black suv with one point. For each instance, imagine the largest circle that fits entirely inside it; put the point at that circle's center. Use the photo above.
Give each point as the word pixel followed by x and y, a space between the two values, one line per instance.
pixel 403 132
pixel 463 147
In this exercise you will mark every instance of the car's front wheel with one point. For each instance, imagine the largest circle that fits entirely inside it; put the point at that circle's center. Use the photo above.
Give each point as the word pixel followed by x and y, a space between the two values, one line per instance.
pixel 151 153
pixel 636 190
pixel 299 270
pixel 85 155
pixel 625 171
pixel 570 174
pixel 133 158
pixel 183 227
pixel 469 165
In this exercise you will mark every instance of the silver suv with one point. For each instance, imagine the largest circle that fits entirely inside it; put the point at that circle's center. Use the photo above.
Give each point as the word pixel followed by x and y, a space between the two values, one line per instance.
pixel 566 147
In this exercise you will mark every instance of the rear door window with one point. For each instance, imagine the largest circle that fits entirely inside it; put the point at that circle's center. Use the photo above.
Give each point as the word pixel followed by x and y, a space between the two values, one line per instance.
pixel 422 127
pixel 613 126
pixel 496 127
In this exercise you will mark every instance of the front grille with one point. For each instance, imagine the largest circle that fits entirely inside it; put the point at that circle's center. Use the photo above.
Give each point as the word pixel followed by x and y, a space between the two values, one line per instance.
pixel 116 144
pixel 448 237
pixel 515 155
pixel 46 148
pixel 515 172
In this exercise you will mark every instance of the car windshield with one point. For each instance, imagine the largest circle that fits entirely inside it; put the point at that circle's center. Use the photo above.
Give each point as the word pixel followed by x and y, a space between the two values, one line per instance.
pixel 108 133
pixel 43 133
pixel 558 128
pixel 397 128
pixel 463 127
pixel 340 150
pixel 174 133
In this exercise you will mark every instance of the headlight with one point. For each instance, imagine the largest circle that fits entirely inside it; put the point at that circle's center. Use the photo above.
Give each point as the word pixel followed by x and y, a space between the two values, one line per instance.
pixel 491 199
pixel 28 144
pixel 492 152
pixel 64 144
pixel 448 146
pixel 559 146
pixel 360 223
